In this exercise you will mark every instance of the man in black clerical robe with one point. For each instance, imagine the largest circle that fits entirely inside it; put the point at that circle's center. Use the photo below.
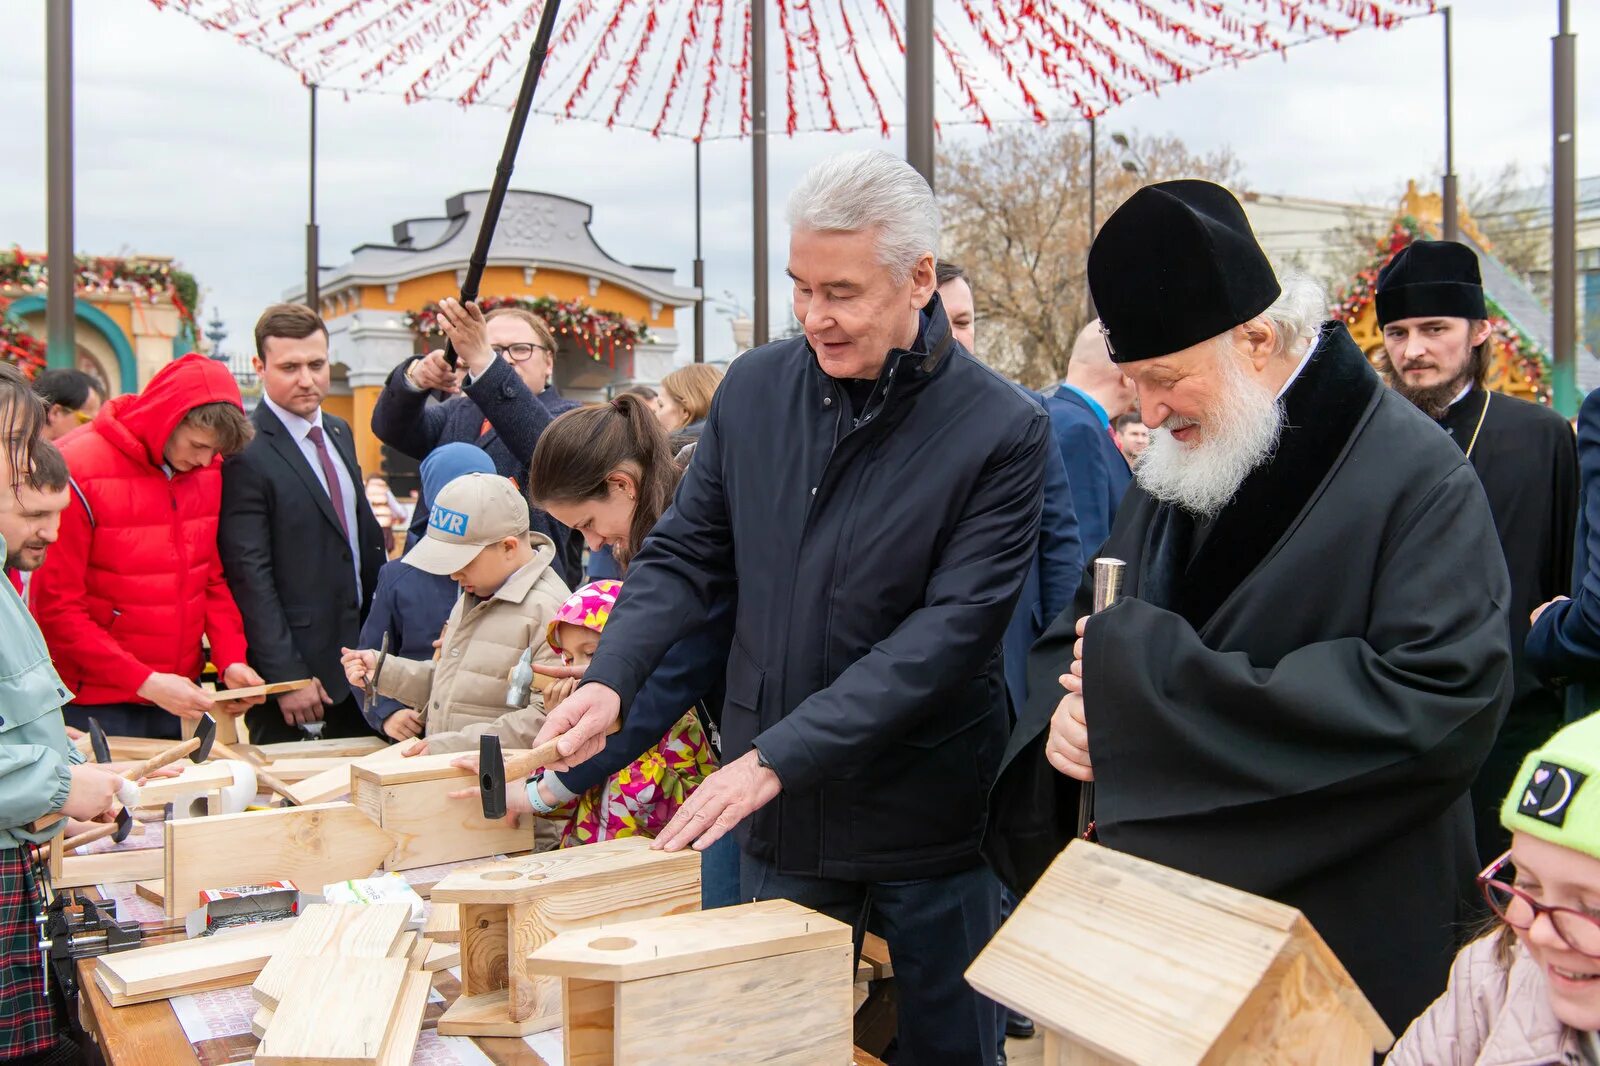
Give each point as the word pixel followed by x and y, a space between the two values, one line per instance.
pixel 1313 653
pixel 1436 338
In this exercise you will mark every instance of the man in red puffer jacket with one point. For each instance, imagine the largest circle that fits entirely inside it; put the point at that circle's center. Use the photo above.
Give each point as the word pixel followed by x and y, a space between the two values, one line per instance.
pixel 135 580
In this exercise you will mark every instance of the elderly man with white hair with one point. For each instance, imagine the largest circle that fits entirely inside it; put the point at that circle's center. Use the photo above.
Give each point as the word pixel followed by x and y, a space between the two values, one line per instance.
pixel 870 494
pixel 1313 655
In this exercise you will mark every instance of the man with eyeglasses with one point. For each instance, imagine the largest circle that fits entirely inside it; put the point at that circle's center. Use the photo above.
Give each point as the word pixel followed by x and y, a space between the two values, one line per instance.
pixel 499 398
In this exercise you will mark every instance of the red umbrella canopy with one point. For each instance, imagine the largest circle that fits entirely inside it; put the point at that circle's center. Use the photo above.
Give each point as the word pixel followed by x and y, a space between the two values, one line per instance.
pixel 682 67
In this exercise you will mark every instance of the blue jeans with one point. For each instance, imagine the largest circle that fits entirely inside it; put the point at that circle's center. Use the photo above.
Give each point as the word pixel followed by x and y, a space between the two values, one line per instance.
pixel 934 927
pixel 719 874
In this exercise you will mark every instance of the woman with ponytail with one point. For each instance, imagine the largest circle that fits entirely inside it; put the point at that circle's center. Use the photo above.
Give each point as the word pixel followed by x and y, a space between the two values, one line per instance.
pixel 606 472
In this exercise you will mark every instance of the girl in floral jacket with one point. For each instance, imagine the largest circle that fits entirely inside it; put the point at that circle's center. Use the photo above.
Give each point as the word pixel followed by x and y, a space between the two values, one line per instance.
pixel 1529 993
pixel 642 797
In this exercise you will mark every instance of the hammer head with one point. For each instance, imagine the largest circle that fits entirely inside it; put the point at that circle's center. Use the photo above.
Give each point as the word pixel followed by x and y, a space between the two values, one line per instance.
pixel 98 741
pixel 207 732
pixel 491 777
pixel 124 824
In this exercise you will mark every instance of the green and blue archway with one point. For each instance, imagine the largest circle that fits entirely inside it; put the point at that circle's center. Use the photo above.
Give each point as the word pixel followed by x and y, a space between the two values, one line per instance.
pixel 100 322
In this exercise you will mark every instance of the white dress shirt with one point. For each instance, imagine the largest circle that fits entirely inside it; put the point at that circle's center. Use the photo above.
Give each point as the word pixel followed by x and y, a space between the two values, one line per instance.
pixel 300 429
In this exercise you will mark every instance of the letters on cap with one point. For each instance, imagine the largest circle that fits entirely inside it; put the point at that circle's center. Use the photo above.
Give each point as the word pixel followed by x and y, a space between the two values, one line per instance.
pixel 1549 792
pixel 447 521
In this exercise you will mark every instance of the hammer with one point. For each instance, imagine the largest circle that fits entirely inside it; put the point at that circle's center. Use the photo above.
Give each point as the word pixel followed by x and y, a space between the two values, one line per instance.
pixel 494 770
pixel 198 750
pixel 262 776
pixel 124 823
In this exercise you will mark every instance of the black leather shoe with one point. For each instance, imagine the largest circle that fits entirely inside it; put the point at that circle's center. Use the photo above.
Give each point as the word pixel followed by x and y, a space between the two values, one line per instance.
pixel 1018 1027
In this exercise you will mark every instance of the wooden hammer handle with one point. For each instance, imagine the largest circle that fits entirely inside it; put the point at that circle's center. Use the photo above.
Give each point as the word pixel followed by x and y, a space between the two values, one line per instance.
pixel 524 764
pixel 88 836
pixel 171 755
pixel 272 783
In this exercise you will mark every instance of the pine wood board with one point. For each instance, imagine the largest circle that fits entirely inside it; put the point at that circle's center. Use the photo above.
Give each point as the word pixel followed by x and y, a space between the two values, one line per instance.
pixel 154 891
pixel 335 931
pixel 442 956
pixel 443 924
pixel 788 1010
pixel 405 1025
pixel 430 827
pixel 323 749
pixel 274 688
pixel 603 868
pixel 403 769
pixel 195 778
pixel 489 1014
pixel 334 781
pixel 235 953
pixel 334 1014
pixel 293 771
pixel 311 846
pixel 679 943
pixel 109 868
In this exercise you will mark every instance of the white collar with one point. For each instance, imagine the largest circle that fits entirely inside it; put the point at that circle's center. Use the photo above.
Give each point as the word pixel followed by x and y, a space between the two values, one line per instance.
pixel 1301 365
pixel 1462 395
pixel 298 427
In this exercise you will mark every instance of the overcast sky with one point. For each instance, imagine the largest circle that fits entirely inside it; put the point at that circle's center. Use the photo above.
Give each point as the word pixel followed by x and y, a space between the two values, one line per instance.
pixel 192 146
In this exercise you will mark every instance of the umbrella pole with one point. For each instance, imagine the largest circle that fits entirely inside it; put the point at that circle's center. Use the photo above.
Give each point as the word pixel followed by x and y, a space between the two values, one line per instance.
pixel 508 159
pixel 758 160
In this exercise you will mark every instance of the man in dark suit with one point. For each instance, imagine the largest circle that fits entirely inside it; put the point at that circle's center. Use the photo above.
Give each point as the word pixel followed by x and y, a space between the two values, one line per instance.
pixel 500 399
pixel 1081 412
pixel 300 546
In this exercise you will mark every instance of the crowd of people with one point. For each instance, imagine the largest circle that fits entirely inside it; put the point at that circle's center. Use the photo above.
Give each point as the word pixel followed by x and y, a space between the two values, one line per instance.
pixel 839 601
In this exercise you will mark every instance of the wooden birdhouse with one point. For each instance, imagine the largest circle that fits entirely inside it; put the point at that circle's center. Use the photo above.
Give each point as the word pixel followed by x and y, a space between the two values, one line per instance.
pixel 1120 960
pixel 512 907
pixel 765 982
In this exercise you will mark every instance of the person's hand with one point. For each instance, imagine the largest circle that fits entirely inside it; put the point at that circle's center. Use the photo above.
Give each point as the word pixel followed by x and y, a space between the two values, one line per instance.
pixel 1067 748
pixel 304 704
pixel 723 800
pixel 240 675
pixel 432 372
pixel 93 792
pixel 558 692
pixel 359 665
pixel 176 695
pixel 581 723
pixel 75 734
pixel 403 724
pixel 468 333
pixel 1537 611
pixel 516 791
pixel 419 748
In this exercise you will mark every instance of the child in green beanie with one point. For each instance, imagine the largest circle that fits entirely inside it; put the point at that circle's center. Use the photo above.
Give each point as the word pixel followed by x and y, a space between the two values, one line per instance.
pixel 1529 993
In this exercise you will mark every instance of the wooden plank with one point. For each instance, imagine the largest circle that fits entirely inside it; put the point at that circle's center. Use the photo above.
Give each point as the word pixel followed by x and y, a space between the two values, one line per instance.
pixel 196 777
pixel 334 782
pixel 259 1021
pixel 489 1014
pixel 275 688
pixel 315 749
pixel 630 951
pixel 334 1013
pixel 442 956
pixel 343 931
pixel 110 867
pixel 610 871
pixel 400 1039
pixel 311 846
pixel 154 891
pixel 443 924
pixel 406 770
pixel 290 771
pixel 485 948
pixel 789 1010
pixel 588 1027
pixel 430 827
pixel 135 1035
pixel 162 967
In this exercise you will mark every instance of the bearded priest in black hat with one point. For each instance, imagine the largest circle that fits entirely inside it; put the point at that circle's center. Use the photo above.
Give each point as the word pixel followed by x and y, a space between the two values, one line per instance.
pixel 1436 341
pixel 1313 653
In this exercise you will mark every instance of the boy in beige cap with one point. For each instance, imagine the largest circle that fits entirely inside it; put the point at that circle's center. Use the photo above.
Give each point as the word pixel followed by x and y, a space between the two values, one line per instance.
pixel 478 535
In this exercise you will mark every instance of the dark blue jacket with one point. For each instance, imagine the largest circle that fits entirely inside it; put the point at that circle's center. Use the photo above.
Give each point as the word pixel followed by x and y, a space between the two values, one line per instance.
pixel 411 606
pixel 1053 578
pixel 1095 467
pixel 408 423
pixel 690 675
pixel 877 560
pixel 1564 644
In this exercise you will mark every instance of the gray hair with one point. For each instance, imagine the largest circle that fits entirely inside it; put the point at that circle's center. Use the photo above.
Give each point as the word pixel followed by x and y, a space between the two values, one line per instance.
pixel 874 190
pixel 1297 314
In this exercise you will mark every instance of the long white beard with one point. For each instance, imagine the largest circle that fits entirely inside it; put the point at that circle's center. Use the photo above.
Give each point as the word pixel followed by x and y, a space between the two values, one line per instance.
pixel 1236 438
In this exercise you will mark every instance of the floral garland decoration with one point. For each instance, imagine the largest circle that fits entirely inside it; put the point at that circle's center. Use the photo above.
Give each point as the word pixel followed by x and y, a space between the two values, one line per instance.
pixel 19 347
pixel 140 278
pixel 1525 352
pixel 601 333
